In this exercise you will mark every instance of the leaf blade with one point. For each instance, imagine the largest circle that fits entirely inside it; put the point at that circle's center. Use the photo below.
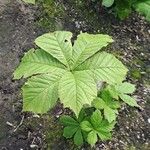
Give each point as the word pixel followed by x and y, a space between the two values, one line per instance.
pixel 109 114
pixel 96 118
pixel 104 67
pixel 69 131
pixel 78 138
pixel 104 135
pixel 99 103
pixel 86 126
pixel 125 87
pixel 68 121
pixel 129 100
pixel 76 90
pixel 87 45
pixel 37 62
pixel 40 93
pixel 92 138
pixel 58 44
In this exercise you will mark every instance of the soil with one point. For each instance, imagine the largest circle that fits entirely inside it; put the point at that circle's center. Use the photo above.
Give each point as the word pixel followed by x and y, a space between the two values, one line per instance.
pixel 19 26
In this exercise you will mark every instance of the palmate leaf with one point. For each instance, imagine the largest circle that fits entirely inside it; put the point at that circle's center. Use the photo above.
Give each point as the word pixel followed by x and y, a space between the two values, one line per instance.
pixel 77 89
pixel 97 127
pixel 58 44
pixel 40 92
pixel 112 91
pixel 72 129
pixel 121 90
pixel 36 62
pixel 87 45
pixel 124 89
pixel 77 67
pixel 105 67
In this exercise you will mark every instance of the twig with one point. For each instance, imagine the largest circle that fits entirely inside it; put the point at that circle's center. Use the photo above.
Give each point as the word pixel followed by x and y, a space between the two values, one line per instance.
pixel 19 124
pixel 10 124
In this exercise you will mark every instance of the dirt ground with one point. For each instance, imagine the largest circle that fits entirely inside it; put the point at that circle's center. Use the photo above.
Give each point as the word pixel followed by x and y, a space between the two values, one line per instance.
pixel 19 27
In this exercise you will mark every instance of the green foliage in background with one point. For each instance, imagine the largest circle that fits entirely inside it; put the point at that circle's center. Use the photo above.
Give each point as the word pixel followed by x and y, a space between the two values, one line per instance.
pixel 143 7
pixel 122 8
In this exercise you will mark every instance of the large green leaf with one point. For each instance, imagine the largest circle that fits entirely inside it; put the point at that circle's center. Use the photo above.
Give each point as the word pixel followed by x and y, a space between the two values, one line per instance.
pixel 88 44
pixel 36 62
pixel 40 92
pixel 58 44
pixel 77 89
pixel 105 67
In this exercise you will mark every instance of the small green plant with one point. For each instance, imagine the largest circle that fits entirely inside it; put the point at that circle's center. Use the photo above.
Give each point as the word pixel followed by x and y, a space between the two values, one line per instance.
pixel 70 72
pixel 100 120
pixel 124 7
pixel 96 127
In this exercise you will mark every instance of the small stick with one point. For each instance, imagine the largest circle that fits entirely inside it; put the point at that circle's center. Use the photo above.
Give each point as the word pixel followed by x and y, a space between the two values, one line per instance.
pixel 10 124
pixel 19 124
